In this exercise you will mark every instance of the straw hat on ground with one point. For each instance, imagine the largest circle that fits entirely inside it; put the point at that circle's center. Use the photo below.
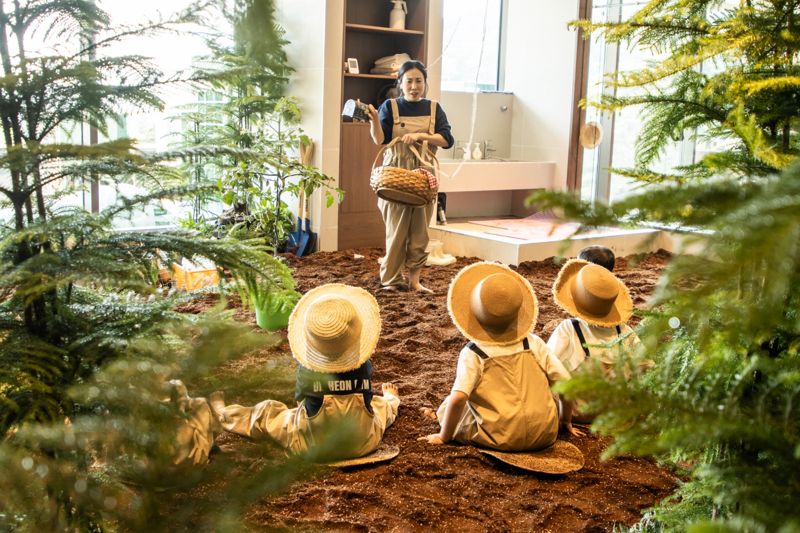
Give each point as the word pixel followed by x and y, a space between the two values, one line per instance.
pixel 491 304
pixel 560 458
pixel 381 455
pixel 334 328
pixel 591 292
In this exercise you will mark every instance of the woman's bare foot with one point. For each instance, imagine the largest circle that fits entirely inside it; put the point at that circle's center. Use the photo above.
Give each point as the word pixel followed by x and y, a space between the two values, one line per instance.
pixel 390 388
pixel 428 413
pixel 421 288
pixel 413 282
pixel 399 287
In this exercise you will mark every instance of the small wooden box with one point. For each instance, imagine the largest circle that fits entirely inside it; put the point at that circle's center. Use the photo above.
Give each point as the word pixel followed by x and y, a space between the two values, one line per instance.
pixel 191 280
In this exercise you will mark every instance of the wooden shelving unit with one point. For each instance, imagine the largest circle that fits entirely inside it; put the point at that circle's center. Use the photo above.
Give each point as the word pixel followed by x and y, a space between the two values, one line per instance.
pixel 367 37
pixel 380 29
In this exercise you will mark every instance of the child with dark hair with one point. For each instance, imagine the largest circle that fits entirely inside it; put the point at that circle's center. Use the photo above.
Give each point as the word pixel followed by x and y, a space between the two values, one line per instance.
pixel 600 306
pixel 599 255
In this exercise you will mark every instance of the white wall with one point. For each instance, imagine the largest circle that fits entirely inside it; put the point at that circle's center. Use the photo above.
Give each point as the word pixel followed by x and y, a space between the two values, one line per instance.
pixel 315 51
pixel 540 69
pixel 491 122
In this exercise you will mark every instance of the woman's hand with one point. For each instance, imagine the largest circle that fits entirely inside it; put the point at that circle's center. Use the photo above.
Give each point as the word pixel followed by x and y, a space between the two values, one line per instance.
pixel 375 129
pixel 373 114
pixel 411 138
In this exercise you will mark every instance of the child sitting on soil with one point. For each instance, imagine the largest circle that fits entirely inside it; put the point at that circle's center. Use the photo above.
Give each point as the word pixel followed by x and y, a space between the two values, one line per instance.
pixel 501 396
pixel 333 332
pixel 599 255
pixel 600 306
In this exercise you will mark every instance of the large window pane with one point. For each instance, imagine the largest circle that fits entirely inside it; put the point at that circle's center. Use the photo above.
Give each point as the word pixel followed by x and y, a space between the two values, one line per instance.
pixel 471 45
pixel 617 149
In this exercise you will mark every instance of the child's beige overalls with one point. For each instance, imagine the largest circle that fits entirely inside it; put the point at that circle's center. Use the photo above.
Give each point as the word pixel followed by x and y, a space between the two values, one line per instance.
pixel 343 423
pixel 512 407
pixel 406 226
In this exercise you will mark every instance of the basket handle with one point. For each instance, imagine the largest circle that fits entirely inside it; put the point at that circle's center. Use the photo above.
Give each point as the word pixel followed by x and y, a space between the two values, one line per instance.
pixel 433 162
pixel 383 149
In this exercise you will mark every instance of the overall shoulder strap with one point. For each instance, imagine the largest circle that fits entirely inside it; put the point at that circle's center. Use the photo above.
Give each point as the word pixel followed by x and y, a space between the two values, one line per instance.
pixel 432 125
pixel 577 326
pixel 395 111
pixel 526 344
pixel 480 353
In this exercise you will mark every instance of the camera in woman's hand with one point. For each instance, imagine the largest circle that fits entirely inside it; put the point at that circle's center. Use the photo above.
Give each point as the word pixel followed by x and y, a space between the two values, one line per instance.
pixel 355 111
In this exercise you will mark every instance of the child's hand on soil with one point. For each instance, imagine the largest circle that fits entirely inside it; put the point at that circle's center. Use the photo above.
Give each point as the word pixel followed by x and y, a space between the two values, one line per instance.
pixel 434 439
pixel 575 432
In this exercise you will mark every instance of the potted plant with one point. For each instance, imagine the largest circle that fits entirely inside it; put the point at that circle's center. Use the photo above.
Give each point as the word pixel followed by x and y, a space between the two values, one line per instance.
pixel 269 291
pixel 255 188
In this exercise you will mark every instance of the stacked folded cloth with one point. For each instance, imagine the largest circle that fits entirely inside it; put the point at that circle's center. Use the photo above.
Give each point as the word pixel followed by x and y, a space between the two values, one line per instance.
pixel 389 64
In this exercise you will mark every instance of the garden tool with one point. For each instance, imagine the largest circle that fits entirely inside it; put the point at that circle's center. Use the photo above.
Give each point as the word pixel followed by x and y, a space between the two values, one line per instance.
pixel 308 239
pixel 295 236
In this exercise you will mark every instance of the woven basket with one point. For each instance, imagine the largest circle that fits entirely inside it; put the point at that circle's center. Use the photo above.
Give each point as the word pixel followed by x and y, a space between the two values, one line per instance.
pixel 396 184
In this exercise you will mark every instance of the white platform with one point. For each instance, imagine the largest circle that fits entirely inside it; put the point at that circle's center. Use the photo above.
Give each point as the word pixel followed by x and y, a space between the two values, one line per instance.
pixel 488 175
pixel 464 238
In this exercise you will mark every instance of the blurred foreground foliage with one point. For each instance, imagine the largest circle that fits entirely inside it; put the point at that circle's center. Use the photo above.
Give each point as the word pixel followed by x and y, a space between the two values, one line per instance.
pixel 87 341
pixel 721 404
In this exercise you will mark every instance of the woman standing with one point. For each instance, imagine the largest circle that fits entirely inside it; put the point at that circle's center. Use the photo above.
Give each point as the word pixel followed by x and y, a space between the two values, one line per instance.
pixel 422 124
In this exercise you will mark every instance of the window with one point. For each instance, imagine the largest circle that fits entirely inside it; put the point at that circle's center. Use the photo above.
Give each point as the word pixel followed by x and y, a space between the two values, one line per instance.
pixel 622 129
pixel 471 45
pixel 154 130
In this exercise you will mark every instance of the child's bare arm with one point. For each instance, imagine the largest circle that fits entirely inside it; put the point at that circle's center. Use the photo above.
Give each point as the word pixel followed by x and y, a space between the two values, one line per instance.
pixel 452 414
pixel 566 418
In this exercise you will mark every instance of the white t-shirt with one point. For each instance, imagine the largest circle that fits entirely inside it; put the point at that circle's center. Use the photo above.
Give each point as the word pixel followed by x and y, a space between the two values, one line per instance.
pixel 566 345
pixel 470 365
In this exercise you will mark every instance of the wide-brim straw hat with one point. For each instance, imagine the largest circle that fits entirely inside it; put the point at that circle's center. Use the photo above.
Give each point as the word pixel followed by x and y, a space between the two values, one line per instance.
pixel 334 328
pixel 463 297
pixel 381 455
pixel 591 292
pixel 560 458
pixel 591 135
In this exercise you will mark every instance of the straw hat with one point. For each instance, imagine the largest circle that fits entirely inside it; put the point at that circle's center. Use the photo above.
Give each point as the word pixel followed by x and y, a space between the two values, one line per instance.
pixel 560 458
pixel 591 135
pixel 382 454
pixel 592 293
pixel 491 304
pixel 334 328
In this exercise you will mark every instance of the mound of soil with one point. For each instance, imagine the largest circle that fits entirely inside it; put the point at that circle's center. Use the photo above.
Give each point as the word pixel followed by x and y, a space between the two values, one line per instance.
pixel 453 487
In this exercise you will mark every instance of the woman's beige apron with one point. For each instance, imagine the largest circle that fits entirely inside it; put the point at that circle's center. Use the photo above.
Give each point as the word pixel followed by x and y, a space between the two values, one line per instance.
pixel 406 226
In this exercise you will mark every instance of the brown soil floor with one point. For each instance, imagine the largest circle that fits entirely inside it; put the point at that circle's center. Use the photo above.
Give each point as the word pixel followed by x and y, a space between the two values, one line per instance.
pixel 453 487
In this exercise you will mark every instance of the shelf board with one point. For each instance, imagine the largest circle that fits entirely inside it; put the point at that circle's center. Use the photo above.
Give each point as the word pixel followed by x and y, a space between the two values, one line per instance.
pixel 381 29
pixel 371 76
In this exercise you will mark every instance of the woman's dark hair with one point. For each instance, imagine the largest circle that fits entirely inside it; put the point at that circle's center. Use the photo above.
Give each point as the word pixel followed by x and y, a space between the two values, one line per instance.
pixel 409 65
